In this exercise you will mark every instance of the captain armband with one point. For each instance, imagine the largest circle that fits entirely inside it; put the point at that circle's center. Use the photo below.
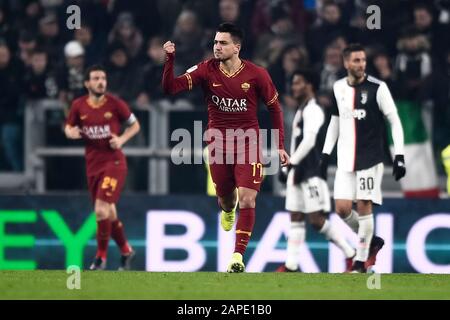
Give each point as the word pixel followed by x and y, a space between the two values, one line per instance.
pixel 132 119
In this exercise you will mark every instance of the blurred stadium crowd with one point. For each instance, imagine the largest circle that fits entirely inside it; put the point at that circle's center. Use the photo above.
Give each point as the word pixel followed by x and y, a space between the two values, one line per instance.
pixel 41 58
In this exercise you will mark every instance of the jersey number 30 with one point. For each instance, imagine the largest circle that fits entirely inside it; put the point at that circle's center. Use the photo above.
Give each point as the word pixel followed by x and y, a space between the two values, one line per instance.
pixel 366 183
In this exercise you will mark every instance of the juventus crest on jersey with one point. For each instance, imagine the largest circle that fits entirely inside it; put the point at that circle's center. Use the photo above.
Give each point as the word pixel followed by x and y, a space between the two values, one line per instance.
pixel 360 109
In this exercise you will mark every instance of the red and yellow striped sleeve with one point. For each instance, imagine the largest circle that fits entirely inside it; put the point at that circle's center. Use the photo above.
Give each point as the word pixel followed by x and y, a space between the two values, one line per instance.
pixel 270 96
pixel 186 81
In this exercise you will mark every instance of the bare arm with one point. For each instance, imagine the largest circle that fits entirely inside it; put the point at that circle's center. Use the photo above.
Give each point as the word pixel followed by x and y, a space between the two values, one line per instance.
pixel 117 142
pixel 72 132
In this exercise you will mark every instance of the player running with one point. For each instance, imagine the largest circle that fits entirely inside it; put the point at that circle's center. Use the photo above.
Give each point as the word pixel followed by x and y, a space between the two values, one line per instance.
pixel 97 118
pixel 306 192
pixel 357 124
pixel 232 87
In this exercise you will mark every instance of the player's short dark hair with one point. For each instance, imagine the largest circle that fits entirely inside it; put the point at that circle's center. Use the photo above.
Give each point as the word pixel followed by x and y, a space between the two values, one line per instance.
pixel 95 67
pixel 310 76
pixel 236 33
pixel 352 47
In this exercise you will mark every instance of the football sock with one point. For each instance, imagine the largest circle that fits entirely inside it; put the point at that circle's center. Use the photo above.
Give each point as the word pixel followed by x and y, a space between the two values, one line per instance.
pixel 365 234
pixel 330 233
pixel 244 228
pixel 103 235
pixel 296 238
pixel 352 220
pixel 118 234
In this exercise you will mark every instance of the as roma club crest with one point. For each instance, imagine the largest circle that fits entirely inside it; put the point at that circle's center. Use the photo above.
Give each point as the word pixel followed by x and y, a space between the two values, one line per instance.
pixel 245 86
pixel 108 115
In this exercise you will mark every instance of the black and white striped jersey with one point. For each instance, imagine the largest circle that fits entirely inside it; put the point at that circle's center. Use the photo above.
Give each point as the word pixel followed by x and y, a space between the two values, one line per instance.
pixel 360 109
pixel 307 121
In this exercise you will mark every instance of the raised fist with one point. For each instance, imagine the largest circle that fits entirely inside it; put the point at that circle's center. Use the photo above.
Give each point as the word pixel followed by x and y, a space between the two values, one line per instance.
pixel 169 47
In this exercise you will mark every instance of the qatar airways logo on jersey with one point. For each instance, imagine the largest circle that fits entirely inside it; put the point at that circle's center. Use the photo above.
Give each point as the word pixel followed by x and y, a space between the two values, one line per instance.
pixel 354 114
pixel 230 104
pixel 97 132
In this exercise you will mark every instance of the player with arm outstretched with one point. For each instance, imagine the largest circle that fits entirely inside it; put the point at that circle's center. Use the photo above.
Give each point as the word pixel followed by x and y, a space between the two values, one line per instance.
pixel 306 192
pixel 97 118
pixel 360 104
pixel 232 88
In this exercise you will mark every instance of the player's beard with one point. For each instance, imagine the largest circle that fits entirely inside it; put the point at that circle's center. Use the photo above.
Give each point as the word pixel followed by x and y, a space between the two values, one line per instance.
pixel 221 57
pixel 358 75
pixel 300 97
pixel 98 92
pixel 303 97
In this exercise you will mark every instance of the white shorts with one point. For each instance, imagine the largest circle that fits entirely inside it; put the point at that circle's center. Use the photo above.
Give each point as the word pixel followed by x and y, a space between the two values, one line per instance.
pixel 359 185
pixel 309 196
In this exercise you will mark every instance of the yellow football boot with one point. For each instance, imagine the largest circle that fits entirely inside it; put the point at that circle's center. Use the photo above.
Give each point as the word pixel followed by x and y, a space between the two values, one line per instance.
pixel 236 263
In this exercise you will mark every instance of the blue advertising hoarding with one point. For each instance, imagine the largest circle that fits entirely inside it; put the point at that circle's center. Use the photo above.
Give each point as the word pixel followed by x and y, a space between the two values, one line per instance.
pixel 182 233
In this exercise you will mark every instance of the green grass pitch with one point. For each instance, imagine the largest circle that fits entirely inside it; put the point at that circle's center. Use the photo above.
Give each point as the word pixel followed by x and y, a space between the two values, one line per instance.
pixel 223 286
